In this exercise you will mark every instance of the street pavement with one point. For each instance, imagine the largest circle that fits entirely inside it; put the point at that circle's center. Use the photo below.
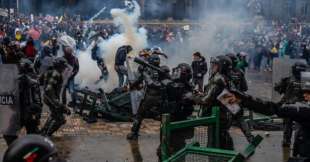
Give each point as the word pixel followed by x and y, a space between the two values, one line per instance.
pixel 105 141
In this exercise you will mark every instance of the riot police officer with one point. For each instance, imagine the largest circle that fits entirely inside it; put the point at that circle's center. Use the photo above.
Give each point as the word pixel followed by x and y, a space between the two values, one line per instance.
pixel 237 76
pixel 221 67
pixel 290 88
pixel 30 106
pixel 30 97
pixel 200 68
pixel 180 105
pixel 52 83
pixel 298 112
pixel 150 104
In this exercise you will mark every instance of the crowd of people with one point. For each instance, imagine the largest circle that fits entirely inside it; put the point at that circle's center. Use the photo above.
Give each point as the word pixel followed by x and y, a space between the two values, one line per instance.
pixel 262 42
pixel 33 44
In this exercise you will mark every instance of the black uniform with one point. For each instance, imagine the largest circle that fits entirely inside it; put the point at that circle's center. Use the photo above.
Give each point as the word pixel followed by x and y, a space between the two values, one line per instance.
pixel 30 99
pixel 237 76
pixel 52 82
pixel 299 113
pixel 154 97
pixel 290 88
pixel 200 68
pixel 180 106
pixel 30 106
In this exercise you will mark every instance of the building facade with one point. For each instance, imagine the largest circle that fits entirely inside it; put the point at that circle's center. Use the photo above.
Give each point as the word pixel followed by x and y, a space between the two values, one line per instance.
pixel 176 9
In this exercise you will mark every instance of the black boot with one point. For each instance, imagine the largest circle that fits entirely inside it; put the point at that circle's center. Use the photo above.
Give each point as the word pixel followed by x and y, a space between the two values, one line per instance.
pixel 46 126
pixel 134 134
pixel 244 126
pixel 50 127
pixel 54 128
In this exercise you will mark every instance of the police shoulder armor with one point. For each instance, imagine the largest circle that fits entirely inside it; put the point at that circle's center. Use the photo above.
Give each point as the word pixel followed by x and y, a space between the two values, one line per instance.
pixel 219 80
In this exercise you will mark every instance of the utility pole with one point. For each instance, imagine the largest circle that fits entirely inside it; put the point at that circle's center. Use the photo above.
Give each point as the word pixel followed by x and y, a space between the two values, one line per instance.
pixel 9 9
pixel 17 6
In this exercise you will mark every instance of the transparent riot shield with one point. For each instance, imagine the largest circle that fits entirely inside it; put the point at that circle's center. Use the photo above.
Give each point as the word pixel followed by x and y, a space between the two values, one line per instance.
pixel 9 100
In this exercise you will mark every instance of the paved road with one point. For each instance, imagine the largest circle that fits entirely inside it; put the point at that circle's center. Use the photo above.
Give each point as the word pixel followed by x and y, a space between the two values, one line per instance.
pixel 105 141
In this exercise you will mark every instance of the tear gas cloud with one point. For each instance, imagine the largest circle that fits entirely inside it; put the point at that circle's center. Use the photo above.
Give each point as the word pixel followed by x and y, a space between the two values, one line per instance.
pixel 130 35
pixel 221 27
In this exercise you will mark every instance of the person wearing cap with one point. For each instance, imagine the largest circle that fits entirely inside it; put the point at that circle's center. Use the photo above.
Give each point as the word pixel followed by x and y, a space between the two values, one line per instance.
pixel 200 68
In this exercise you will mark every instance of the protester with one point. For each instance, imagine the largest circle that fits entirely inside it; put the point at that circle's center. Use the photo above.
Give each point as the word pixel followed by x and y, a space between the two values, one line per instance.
pixel 200 68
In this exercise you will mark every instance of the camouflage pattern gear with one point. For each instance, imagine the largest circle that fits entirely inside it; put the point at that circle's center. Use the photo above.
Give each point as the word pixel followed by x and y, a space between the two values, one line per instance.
pixel 291 91
pixel 298 112
pixel 52 84
pixel 151 102
pixel 31 103
pixel 215 87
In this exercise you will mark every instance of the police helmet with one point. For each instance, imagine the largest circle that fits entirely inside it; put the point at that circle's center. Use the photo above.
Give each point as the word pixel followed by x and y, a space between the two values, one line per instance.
pixel 60 63
pixel 154 60
pixel 25 65
pixel 166 71
pixel 305 81
pixel 233 58
pixel 224 63
pixel 305 87
pixel 156 50
pixel 297 68
pixel 31 147
pixel 182 72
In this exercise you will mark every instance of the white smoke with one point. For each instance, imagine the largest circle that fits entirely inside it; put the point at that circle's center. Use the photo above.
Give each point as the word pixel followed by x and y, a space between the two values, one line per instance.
pixel 130 34
pixel 214 36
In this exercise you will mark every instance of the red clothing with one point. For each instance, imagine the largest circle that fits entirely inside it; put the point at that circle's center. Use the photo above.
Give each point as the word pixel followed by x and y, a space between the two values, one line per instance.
pixel 30 51
pixel 2 34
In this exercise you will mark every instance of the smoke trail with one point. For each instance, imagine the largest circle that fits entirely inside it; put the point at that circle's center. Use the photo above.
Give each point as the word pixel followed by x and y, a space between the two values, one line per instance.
pixel 130 35
pixel 96 15
pixel 91 20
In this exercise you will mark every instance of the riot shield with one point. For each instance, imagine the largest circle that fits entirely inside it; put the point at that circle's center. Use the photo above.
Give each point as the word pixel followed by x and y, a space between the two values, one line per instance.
pixel 281 69
pixel 9 100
